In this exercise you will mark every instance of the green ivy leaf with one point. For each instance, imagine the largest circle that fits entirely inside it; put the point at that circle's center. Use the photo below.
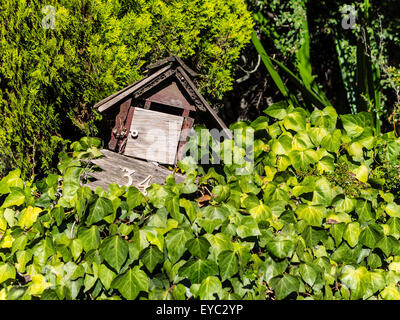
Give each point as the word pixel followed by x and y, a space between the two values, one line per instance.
pixel 90 237
pixel 152 257
pixel 29 216
pixel 221 192
pixel 131 283
pixel 394 227
pixel 198 247
pixel 308 273
pixel 313 215
pixel 106 276
pixel 352 233
pixel 228 264
pixel 281 248
pixel 7 271
pixel 134 197
pixel 99 210
pixel 270 269
pixel 198 270
pixel 248 228
pixel 58 213
pixel 285 285
pixel 370 236
pixel 303 159
pixel 15 198
pixel 115 251
pixel 176 240
pixel 210 286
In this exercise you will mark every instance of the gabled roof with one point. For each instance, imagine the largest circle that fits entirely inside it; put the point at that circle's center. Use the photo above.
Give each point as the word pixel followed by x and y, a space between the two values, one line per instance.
pixel 159 72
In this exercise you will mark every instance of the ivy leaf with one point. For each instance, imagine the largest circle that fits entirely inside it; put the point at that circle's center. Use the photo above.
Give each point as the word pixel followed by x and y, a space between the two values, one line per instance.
pixel 198 247
pixel 106 276
pixel 221 192
pixel 390 293
pixel 210 286
pixel 11 180
pixel 15 198
pixel 323 192
pixel 115 251
pixel 312 237
pixel 216 212
pixel 283 286
pixel 101 208
pixel 248 228
pixel 387 244
pixel 277 110
pixel 364 212
pixel 371 235
pixel 198 270
pixel 176 240
pixel 6 272
pixel 228 264
pixel 28 217
pixel 282 145
pixel 302 159
pixel 157 195
pixel 295 120
pixel 313 215
pixel 58 213
pixel 270 269
pixel 281 248
pixel 361 282
pixel 172 205
pixel 131 283
pixel 134 197
pixel 394 227
pixel 90 237
pixel 209 225
pixel 151 257
pixel 308 273
pixel 393 209
pixel 352 233
pixel 332 142
pixel 189 207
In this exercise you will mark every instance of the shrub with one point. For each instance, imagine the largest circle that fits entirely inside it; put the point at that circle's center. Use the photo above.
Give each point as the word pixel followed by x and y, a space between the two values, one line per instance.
pixel 287 230
pixel 51 78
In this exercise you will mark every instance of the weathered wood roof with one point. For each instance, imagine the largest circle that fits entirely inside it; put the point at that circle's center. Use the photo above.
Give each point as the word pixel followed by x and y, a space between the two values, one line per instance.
pixel 162 71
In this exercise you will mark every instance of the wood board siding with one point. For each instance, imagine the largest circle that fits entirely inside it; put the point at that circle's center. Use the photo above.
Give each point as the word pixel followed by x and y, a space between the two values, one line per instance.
pixel 158 137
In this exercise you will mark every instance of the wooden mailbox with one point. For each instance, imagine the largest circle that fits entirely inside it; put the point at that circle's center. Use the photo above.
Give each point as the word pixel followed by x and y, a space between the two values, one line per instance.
pixel 147 119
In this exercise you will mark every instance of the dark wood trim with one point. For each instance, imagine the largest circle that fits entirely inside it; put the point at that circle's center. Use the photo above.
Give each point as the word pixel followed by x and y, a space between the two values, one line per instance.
pixel 187 124
pixel 118 132
pixel 147 104
pixel 127 129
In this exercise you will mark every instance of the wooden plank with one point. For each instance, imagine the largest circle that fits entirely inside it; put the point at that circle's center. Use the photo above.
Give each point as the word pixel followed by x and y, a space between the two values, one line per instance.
pixel 112 172
pixel 158 136
pixel 117 172
pixel 112 161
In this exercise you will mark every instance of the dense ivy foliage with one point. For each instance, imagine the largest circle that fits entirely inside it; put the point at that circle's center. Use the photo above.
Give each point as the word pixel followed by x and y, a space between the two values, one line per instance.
pixel 292 228
pixel 55 65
